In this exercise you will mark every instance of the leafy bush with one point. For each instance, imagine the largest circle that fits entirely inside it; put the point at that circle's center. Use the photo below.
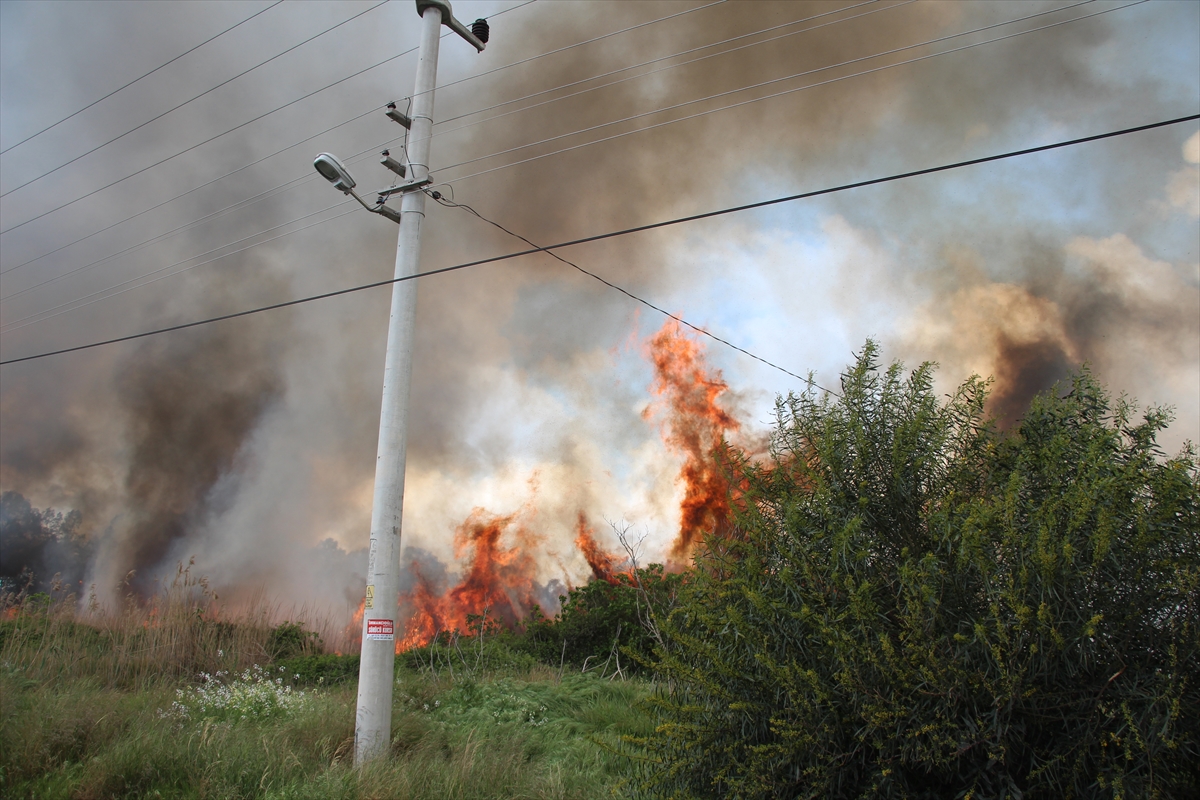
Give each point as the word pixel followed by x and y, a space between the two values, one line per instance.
pixel 289 639
pixel 326 669
pixel 915 605
pixel 603 621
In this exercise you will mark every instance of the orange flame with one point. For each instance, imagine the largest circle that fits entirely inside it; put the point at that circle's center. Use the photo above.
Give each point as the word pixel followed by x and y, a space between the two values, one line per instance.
pixel 352 633
pixel 604 565
pixel 500 576
pixel 499 581
pixel 695 427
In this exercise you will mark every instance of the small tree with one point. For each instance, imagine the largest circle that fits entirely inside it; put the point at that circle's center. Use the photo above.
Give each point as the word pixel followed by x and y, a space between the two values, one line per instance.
pixel 915 605
pixel 602 619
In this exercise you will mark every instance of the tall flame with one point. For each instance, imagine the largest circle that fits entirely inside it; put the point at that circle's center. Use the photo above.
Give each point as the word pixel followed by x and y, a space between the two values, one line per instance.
pixel 604 565
pixel 499 580
pixel 695 427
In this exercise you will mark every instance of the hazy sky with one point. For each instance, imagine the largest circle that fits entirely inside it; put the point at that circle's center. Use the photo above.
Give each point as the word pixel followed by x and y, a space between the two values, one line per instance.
pixel 248 443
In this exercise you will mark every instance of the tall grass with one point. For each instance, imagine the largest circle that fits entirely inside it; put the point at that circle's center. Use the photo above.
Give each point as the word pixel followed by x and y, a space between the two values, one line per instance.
pixel 179 633
pixel 87 711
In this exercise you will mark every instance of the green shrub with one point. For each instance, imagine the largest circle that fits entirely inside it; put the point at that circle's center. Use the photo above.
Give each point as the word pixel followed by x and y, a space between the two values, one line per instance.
pixel 326 668
pixel 914 605
pixel 603 622
pixel 289 639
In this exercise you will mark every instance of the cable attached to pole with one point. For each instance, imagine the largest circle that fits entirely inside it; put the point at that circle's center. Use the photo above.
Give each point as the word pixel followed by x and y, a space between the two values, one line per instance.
pixel 451 204
pixel 614 234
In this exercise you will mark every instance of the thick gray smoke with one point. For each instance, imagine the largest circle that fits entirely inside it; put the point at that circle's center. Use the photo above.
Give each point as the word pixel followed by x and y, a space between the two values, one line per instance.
pixel 251 444
pixel 192 404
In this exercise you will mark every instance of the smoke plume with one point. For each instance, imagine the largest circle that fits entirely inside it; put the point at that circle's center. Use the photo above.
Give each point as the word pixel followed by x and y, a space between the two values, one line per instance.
pixel 192 404
pixel 252 447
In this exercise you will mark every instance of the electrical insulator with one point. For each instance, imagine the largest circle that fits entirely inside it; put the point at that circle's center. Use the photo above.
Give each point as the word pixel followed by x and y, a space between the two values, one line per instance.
pixel 481 30
pixel 392 164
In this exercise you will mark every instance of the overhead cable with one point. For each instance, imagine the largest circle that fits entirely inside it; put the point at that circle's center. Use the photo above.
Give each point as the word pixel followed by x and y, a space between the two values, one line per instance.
pixel 176 197
pixel 451 204
pixel 564 48
pixel 88 299
pixel 768 96
pixel 305 178
pixel 310 94
pixel 452 181
pixel 545 155
pixel 372 110
pixel 667 58
pixel 611 235
pixel 135 80
pixel 197 97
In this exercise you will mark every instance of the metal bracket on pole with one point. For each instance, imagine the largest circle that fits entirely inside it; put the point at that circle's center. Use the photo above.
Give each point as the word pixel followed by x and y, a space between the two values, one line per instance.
pixel 384 194
pixel 390 213
pixel 392 164
pixel 396 115
pixel 450 22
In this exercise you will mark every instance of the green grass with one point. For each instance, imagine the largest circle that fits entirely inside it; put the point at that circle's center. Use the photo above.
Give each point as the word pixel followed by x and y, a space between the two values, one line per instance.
pixel 172 696
pixel 84 713
pixel 531 737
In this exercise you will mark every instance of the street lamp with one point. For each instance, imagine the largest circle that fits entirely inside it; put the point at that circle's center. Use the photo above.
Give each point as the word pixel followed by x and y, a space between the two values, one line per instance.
pixel 335 172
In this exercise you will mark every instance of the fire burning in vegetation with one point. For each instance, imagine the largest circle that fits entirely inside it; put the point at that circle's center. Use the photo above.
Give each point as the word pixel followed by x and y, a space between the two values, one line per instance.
pixel 695 427
pixel 605 566
pixel 499 582
pixel 500 579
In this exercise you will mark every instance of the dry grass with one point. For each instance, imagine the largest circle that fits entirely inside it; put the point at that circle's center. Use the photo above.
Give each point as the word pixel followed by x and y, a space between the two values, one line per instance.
pixel 179 633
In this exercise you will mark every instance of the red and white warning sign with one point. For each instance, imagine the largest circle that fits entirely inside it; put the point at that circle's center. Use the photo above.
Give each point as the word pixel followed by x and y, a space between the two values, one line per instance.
pixel 379 629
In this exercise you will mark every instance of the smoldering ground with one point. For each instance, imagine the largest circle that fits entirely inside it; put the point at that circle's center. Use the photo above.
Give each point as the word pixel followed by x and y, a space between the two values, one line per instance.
pixel 525 366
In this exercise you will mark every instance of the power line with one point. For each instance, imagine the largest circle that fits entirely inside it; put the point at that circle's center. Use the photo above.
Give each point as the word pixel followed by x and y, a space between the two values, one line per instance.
pixel 173 199
pixel 372 110
pixel 614 234
pixel 310 94
pixel 135 80
pixel 305 178
pixel 197 97
pixel 664 58
pixel 293 181
pixel 1020 19
pixel 360 116
pixel 78 302
pixel 580 44
pixel 773 95
pixel 451 204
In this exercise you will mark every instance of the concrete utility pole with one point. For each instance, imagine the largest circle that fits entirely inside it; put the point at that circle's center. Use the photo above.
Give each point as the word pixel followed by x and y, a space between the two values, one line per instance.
pixel 373 726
